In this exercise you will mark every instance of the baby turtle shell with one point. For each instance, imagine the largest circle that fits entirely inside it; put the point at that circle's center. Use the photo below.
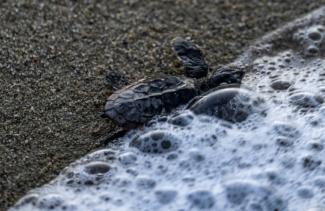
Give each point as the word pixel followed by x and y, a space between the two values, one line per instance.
pixel 139 102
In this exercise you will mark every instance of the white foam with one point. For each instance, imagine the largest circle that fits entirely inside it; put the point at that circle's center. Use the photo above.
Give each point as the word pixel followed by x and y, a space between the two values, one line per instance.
pixel 272 161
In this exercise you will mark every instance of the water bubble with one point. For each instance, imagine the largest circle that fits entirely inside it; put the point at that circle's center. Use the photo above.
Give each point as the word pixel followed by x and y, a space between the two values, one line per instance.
pixel 28 199
pixel 286 130
pixel 284 142
pixel 156 142
pixel 201 199
pixel 101 155
pixel 274 177
pixel 316 146
pixel 51 201
pixel 320 182
pixel 305 193
pixel 196 155
pixel 312 50
pixel 310 163
pixel 172 156
pixel 97 168
pixel 121 182
pixel 182 119
pixel 315 35
pixel 231 104
pixel 245 192
pixel 280 85
pixel 127 158
pixel 306 100
pixel 145 183
pixel 165 196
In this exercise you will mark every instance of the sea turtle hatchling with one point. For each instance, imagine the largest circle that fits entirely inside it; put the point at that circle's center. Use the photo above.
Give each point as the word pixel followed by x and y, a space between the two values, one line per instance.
pixel 137 103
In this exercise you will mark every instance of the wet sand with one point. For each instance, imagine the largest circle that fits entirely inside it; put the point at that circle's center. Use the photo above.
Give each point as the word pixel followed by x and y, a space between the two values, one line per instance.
pixel 54 57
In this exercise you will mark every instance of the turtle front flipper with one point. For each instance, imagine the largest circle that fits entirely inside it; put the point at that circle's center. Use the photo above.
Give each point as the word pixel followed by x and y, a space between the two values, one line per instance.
pixel 225 75
pixel 191 57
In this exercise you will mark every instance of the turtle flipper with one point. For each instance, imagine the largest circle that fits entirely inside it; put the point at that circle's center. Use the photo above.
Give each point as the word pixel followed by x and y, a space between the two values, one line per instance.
pixel 116 79
pixel 191 57
pixel 225 75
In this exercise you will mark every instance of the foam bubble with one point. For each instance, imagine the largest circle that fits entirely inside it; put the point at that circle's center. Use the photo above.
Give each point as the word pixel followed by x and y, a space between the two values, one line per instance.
pixel 97 168
pixel 128 158
pixel 183 119
pixel 249 196
pixel 305 193
pixel 145 183
pixel 158 141
pixel 311 38
pixel 201 199
pixel 306 99
pixel 280 85
pixel 230 104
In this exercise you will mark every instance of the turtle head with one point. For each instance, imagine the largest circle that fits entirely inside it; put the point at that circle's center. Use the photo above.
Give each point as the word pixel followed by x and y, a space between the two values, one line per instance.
pixel 225 75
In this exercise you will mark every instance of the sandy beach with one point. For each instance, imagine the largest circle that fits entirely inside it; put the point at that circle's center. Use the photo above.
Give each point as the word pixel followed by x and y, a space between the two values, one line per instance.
pixel 55 55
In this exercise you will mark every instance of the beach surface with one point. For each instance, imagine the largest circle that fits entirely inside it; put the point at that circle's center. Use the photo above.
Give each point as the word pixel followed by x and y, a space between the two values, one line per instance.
pixel 55 55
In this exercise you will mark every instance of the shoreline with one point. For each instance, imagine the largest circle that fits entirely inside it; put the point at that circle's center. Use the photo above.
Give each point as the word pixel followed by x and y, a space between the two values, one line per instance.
pixel 53 69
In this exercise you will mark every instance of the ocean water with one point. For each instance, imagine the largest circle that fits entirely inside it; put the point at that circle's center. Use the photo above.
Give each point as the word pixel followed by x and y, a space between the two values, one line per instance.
pixel 269 156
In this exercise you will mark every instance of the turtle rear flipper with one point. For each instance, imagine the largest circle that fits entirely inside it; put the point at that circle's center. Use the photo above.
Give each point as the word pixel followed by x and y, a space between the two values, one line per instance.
pixel 191 57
